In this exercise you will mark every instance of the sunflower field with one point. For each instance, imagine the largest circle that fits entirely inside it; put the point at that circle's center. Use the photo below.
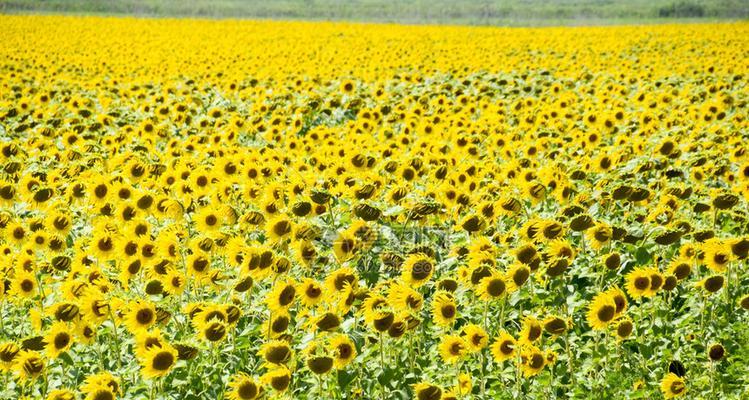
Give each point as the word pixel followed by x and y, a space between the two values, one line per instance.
pixel 196 209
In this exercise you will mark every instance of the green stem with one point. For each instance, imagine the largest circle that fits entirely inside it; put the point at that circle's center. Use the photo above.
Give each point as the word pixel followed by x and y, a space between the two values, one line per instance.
pixel 570 362
pixel 116 338
pixel 382 363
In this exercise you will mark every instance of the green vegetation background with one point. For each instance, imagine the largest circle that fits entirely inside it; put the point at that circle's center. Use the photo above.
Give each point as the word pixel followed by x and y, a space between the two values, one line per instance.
pixel 474 12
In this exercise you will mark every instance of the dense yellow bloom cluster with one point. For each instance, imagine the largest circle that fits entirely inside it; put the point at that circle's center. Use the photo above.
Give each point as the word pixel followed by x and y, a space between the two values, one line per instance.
pixel 238 208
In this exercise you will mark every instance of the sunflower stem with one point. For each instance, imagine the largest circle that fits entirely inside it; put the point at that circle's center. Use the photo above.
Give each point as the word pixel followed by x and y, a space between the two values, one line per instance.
pixel 517 375
pixel 482 384
pixel 502 313
pixel 382 363
pixel 116 338
pixel 570 362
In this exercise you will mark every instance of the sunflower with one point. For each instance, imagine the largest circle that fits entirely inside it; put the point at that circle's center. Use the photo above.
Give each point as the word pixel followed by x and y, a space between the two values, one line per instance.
pixel 344 350
pixel 310 292
pixel 212 330
pixel 416 270
pixel 341 279
pixel 601 311
pixel 533 361
pixel 427 391
pixel 282 295
pixel 624 328
pixel 475 337
pixel 345 246
pixel 58 339
pixel 464 385
pixel 208 219
pixel 492 287
pixel 157 361
pixel 141 315
pixel 145 340
pixel 28 364
pixel 638 282
pixel 61 394
pixel 278 378
pixel 673 386
pixel 404 298
pixel 555 325
pixel 599 235
pixel 103 245
pixel 24 284
pixel 711 284
pixel 243 387
pixel 452 348
pixel 101 380
pixel 99 393
pixel 276 352
pixel 279 228
pixel 504 347
pixel 516 276
pixel 717 255
pixel 531 331
pixel 8 353
pixel 680 267
pixel 174 282
pixel 444 308
pixel 620 299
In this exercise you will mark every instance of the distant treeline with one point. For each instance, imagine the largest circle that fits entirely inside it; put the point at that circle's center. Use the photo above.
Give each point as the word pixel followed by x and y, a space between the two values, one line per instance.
pixel 497 12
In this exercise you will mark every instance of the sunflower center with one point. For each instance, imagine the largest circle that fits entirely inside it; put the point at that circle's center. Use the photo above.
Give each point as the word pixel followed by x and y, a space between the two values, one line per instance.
pixel 247 390
pixel 536 361
pixel 606 313
pixel 448 311
pixel 27 285
pixel 421 270
pixel 496 287
pixel 144 316
pixel 287 295
pixel 163 361
pixel 105 244
pixel 642 283
pixel 215 332
pixel 61 340
pixel 103 394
